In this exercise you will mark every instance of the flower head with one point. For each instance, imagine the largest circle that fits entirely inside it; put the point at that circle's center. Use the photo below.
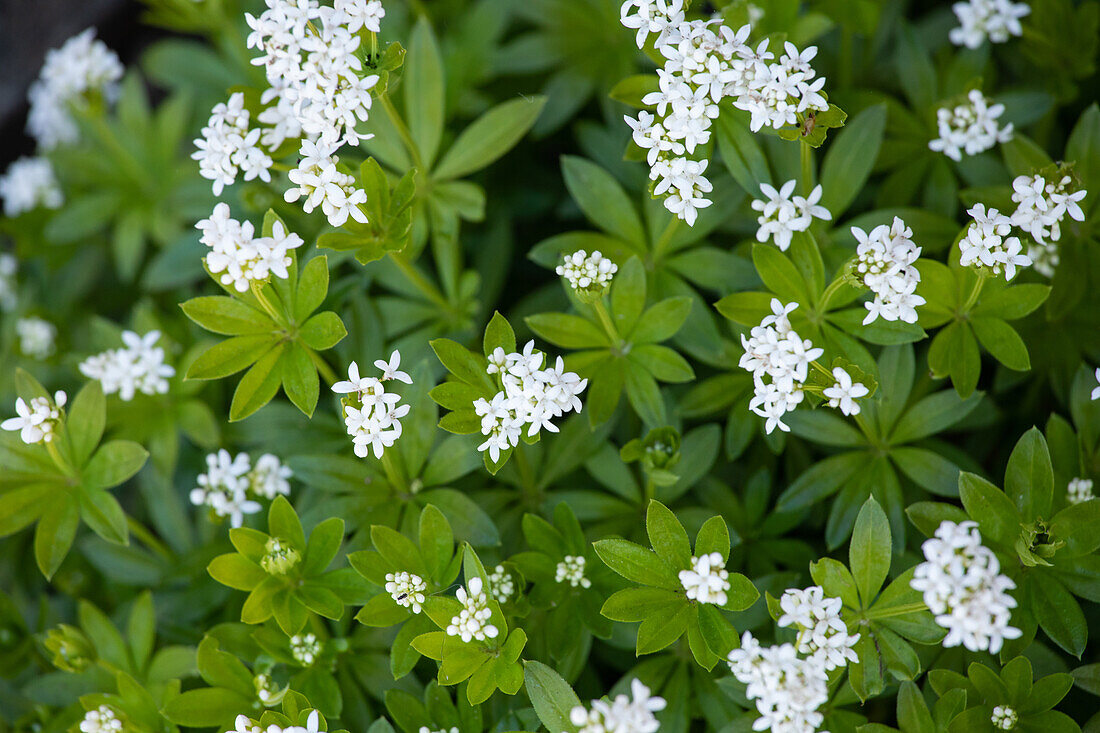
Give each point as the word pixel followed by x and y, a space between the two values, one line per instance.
pixel 38 420
pixel 708 579
pixel 472 622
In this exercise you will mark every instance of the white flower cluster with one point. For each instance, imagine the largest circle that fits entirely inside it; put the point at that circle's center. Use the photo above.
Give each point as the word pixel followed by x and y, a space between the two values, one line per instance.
pixel 240 257
pixel 472 622
pixel 1079 490
pixel 136 367
pixel 588 272
pixel 781 215
pixel 27 184
pixel 36 422
pixel 501 584
pixel 318 180
pixel 706 62
pixel 634 714
pixel 406 589
pixel 571 570
pixel 532 397
pixel 988 243
pixel 1041 206
pixel 9 266
pixel 885 263
pixel 74 73
pixel 788 689
pixel 969 127
pixel 775 351
pixel 1004 717
pixel 228 147
pixel 267 690
pixel 426 729
pixel 305 649
pixel 279 557
pixel 371 414
pixel 997 20
pixel 963 587
pixel 229 482
pixel 822 632
pixel 245 725
pixel 844 392
pixel 708 579
pixel 101 720
pixel 36 336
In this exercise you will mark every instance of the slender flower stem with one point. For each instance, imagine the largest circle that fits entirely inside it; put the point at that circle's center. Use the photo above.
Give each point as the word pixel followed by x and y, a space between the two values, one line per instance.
pixel 393 471
pixel 55 454
pixel 607 323
pixel 827 296
pixel 257 290
pixel 806 153
pixel 322 366
pixel 523 465
pixel 666 237
pixel 975 291
pixel 421 283
pixel 148 539
pixel 402 128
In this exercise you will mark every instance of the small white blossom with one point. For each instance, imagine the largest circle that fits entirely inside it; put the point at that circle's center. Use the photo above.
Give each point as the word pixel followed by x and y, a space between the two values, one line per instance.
pixel 988 243
pixel 781 215
pixel 587 272
pixel 821 630
pixel 28 184
pixel 844 393
pixel 997 20
pixel 963 587
pixel 305 649
pixel 886 263
pixel 81 69
pixel 788 689
pixel 372 415
pixel 406 589
pixel 501 584
pixel 228 147
pixel 708 579
pixel 1041 207
pixel 359 14
pixel 472 622
pixel 36 337
pixel 101 720
pixel 1079 490
pixel 226 485
pixel 267 691
pixel 970 127
pixel 9 266
pixel 37 421
pixel 634 714
pixel 320 183
pixel 240 258
pixel 1003 717
pixel 269 477
pixel 136 367
pixel 571 570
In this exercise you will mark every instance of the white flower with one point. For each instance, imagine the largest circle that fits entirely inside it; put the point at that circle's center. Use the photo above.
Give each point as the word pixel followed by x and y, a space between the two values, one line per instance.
pixel 987 243
pixel 886 263
pixel 779 360
pixel 821 630
pixel 101 720
pixel 305 649
pixel 788 689
pixel 1096 390
pixel 587 272
pixel 8 268
pixel 320 183
pixel 371 414
pixel 781 215
pixel 267 691
pixel 532 397
pixel 406 589
pixel 970 127
pixel 1079 490
pixel 501 585
pixel 240 258
pixel 28 184
pixel 228 147
pixel 1003 717
pixel 996 19
pixel 36 336
pixel 224 487
pixel 624 714
pixel 269 478
pixel 963 587
pixel 844 393
pixel 82 68
pixel 571 570
pixel 357 14
pixel 136 367
pixel 36 422
pixel 472 622
pixel 708 579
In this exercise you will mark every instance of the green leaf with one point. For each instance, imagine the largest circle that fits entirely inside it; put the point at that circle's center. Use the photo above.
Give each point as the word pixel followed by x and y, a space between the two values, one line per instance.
pixel 227 316
pixel 933 414
pixel 779 274
pixel 489 137
pixel 1029 478
pixel 462 363
pixel 322 331
pixel 990 508
pixel 551 696
pixel 567 331
pixel 602 200
pixel 86 419
pixel 637 604
pixel 636 563
pixel 1059 614
pixel 231 356
pixel 870 551
pixel 1002 342
pixel 258 386
pixel 498 334
pixel 54 535
pixel 424 90
pixel 668 537
pixel 104 515
pixel 850 159
pixel 113 463
pixel 664 626
pixel 661 321
pixel 206 707
pixel 283 522
pixel 299 378
pixel 1076 525
pixel 742 154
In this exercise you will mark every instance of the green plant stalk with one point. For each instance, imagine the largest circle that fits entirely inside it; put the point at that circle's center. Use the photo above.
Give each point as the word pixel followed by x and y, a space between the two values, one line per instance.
pixel 666 236
pixel 148 539
pixel 393 471
pixel 975 291
pixel 421 283
pixel 607 323
pixel 806 155
pixel 892 611
pixel 523 466
pixel 322 366
pixel 402 129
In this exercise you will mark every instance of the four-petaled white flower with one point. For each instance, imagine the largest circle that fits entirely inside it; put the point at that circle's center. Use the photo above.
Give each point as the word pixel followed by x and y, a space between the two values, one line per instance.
pixel 36 421
pixel 406 589
pixel 781 214
pixel 372 415
pixel 844 392
pixel 997 20
pixel 969 127
pixel 708 579
pixel 634 714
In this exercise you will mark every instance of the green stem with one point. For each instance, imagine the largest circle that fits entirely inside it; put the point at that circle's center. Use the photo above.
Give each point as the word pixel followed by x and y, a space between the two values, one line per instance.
pixel 55 454
pixel 806 154
pixel 523 465
pixel 975 291
pixel 650 491
pixel 393 471
pixel 846 58
pixel 148 539
pixel 902 610
pixel 607 323
pixel 322 366
pixel 421 283
pixel 666 237
pixel 402 129
pixel 827 296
